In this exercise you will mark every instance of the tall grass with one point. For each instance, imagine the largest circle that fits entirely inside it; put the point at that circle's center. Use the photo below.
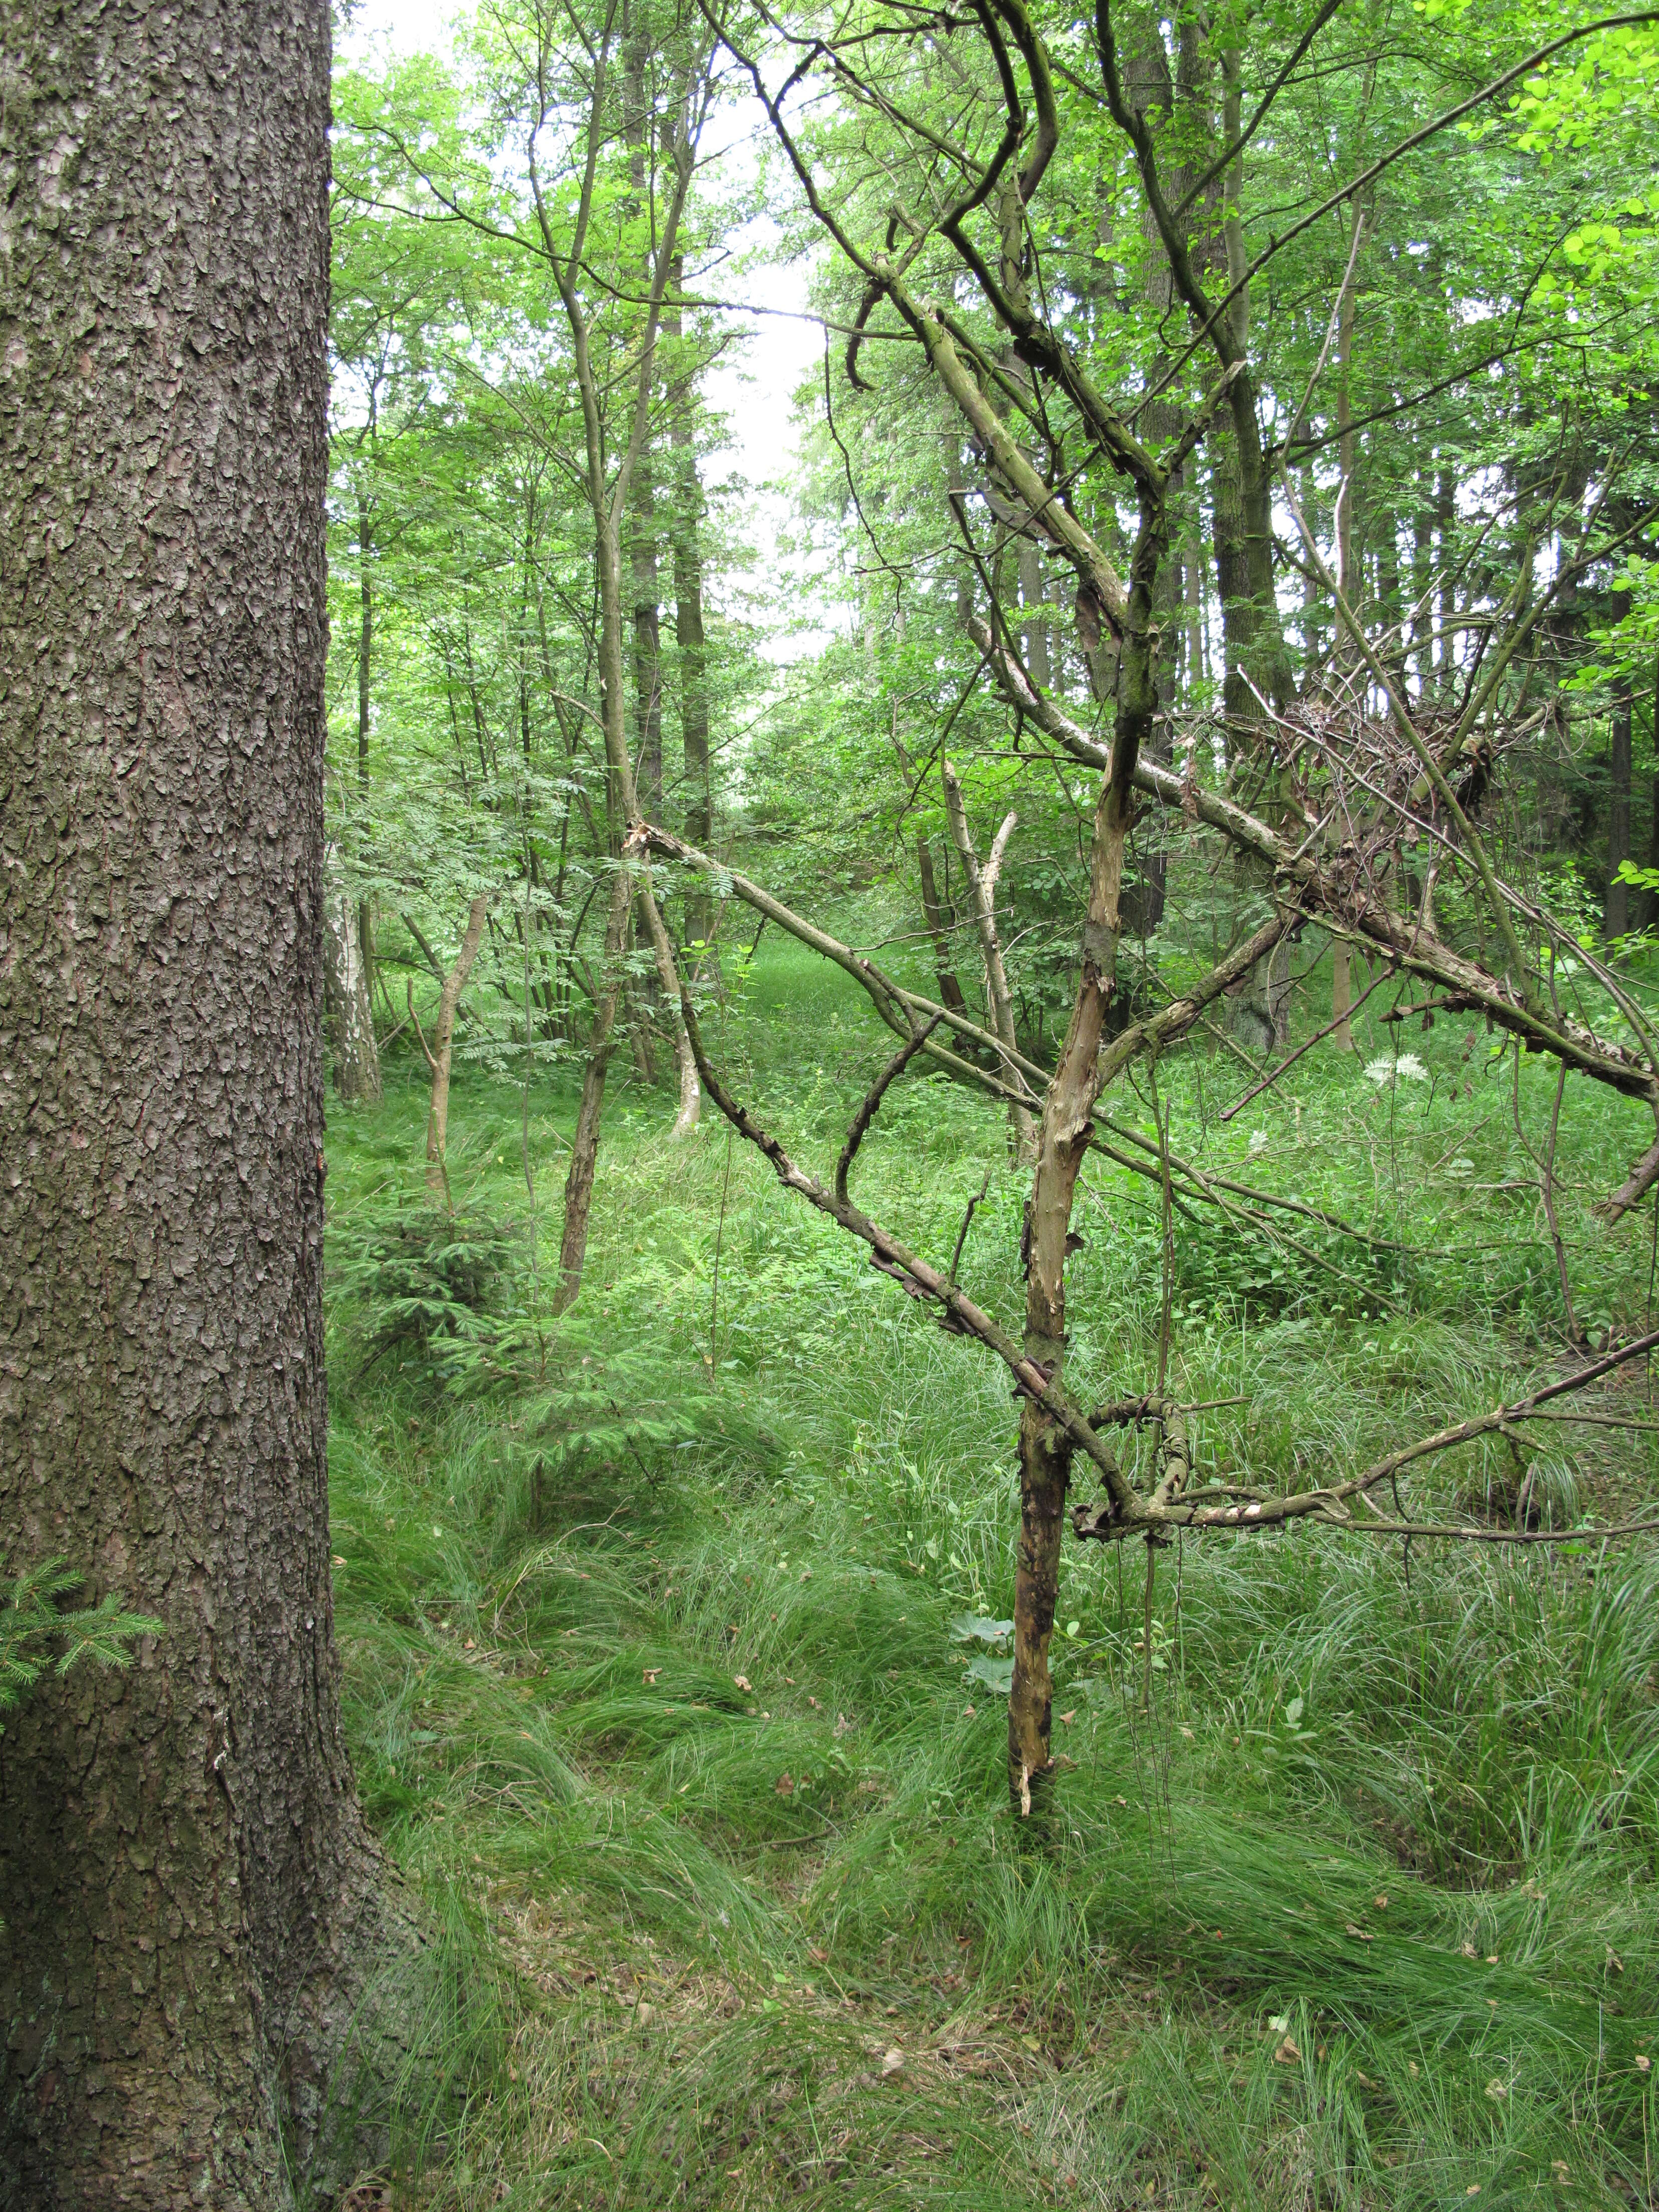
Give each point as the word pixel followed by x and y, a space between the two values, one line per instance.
pixel 653 1685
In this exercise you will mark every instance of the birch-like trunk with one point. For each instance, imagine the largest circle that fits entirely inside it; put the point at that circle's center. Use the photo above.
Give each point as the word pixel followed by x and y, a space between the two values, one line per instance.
pixel 345 977
pixel 439 1051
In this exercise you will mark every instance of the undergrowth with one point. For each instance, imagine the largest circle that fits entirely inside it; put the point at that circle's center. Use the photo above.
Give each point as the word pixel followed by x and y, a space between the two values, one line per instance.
pixel 672 1626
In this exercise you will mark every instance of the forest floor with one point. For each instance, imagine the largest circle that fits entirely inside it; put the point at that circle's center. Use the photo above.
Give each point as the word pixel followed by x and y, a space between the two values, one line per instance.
pixel 673 1680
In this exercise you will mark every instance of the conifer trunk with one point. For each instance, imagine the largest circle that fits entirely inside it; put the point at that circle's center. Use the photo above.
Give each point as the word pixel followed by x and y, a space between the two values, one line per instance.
pixel 190 1899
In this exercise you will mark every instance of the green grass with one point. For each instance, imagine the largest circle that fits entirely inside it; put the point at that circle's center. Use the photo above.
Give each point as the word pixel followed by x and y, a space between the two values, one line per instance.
pixel 723 1945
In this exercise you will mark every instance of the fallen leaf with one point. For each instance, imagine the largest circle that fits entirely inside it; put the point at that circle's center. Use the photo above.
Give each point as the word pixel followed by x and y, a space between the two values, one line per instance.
pixel 785 1785
pixel 1498 2090
pixel 893 2062
pixel 469 1645
pixel 812 1701
pixel 1411 2068
pixel 1491 1958
pixel 651 1674
pixel 1190 1737
pixel 1381 1903
pixel 1120 1801
pixel 1561 2170
pixel 1287 2054
pixel 820 1957
pixel 968 1712
pixel 1642 2061
pixel 1363 2079
pixel 1473 2189
pixel 1468 1951
pixel 1614 1962
pixel 337 1562
pixel 790 1679
pixel 743 1681
pixel 1359 1932
pixel 1065 1719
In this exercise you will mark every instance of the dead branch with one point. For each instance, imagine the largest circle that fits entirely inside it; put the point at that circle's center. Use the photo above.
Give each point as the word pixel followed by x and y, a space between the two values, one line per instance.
pixel 1320 892
pixel 917 1276
pixel 1108 1523
pixel 871 1100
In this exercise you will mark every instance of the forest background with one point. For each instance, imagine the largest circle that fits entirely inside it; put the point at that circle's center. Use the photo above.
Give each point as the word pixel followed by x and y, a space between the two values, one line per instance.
pixel 800 1822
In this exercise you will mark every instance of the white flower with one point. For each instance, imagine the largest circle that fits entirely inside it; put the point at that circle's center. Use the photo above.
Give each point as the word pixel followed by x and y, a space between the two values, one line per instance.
pixel 1258 1140
pixel 1381 1071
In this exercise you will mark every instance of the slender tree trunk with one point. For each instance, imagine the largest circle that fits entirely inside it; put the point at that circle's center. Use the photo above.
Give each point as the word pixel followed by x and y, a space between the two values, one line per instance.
pixel 191 1905
pixel 1034 624
pixel 688 627
pixel 364 652
pixel 438 1052
pixel 1615 917
pixel 647 641
pixel 939 928
pixel 1045 1450
pixel 982 895
pixel 607 502
pixel 356 1055
pixel 585 1143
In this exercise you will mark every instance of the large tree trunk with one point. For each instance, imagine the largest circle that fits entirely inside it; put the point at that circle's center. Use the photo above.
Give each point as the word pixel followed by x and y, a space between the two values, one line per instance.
pixel 356 1055
pixel 188 1894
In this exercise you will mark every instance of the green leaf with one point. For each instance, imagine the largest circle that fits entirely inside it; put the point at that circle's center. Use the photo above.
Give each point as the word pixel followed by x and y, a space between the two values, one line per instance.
pixel 968 1626
pixel 997 1674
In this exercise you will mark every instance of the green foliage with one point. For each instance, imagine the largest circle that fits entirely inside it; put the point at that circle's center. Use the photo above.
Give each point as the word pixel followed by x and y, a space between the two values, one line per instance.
pixel 36 1635
pixel 433 1289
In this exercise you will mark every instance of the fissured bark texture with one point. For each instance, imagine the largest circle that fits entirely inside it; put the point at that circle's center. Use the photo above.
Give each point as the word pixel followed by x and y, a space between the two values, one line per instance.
pixel 183 1870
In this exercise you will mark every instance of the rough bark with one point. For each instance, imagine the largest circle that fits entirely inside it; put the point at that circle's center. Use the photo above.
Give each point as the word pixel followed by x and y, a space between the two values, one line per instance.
pixel 356 1055
pixel 439 1052
pixel 189 1896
